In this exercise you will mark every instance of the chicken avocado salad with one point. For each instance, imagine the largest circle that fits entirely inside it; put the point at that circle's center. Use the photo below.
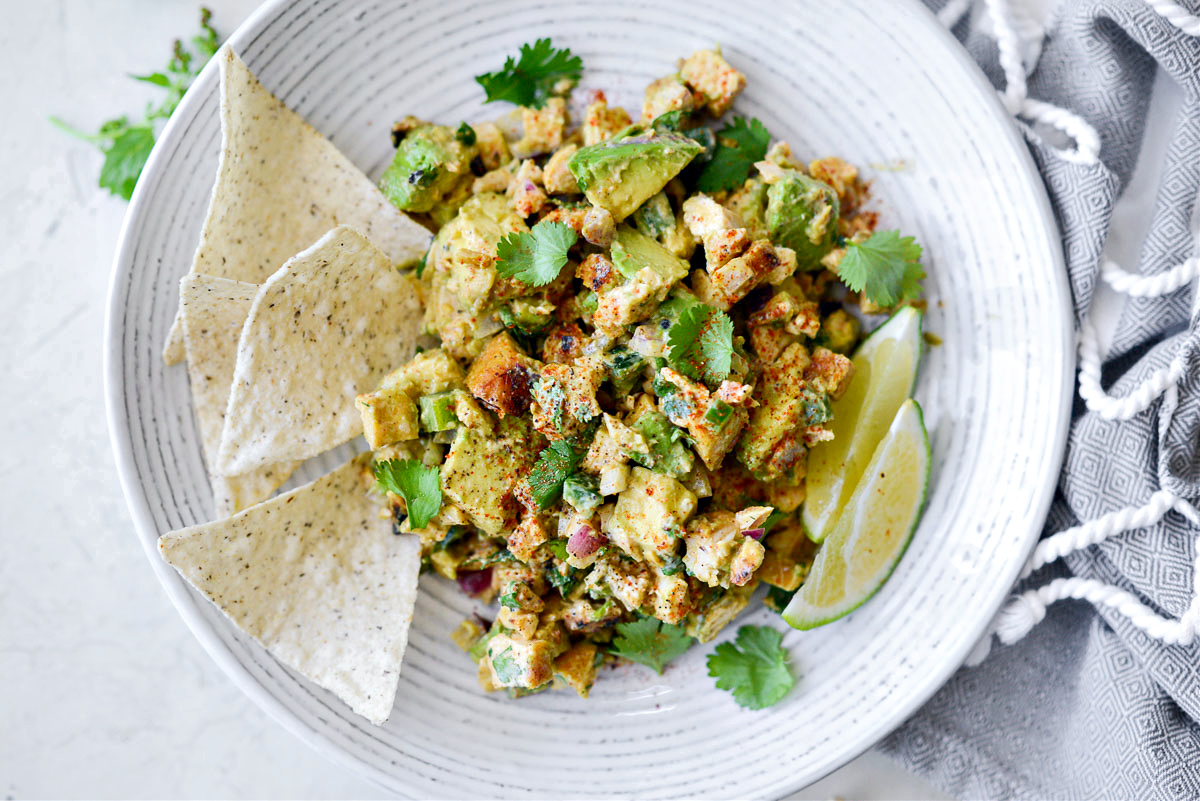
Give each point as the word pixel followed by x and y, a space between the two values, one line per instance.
pixel 637 331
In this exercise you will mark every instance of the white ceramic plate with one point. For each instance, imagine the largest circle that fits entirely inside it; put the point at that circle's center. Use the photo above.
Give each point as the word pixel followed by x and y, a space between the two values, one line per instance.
pixel 880 84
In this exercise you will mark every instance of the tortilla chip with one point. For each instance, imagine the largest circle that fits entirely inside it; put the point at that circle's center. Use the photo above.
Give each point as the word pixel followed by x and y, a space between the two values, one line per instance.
pixel 213 311
pixel 329 325
pixel 316 577
pixel 281 185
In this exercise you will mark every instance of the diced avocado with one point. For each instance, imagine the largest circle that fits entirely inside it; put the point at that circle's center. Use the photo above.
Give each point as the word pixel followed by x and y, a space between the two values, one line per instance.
pixel 750 204
pixel 529 315
pixel 437 411
pixel 668 454
pixel 674 306
pixel 428 163
pixel 840 332
pixel 654 217
pixel 632 250
pixel 802 214
pixel 388 415
pixel 784 399
pixel 622 173
pixel 581 492
pixel 478 476
pixel 815 408
pixel 625 367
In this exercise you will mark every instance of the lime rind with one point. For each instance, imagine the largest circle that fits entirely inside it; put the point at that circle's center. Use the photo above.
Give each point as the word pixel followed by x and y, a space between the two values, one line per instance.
pixel 836 553
pixel 860 418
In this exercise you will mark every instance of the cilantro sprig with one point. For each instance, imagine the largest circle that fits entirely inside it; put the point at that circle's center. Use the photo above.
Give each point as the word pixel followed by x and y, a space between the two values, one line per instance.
pixel 754 667
pixel 700 344
pixel 650 642
pixel 418 485
pixel 739 145
pixel 534 77
pixel 535 257
pixel 553 466
pixel 886 268
pixel 126 145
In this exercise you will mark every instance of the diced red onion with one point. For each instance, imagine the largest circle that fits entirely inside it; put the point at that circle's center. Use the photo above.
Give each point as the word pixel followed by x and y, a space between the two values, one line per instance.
pixel 755 533
pixel 585 541
pixel 475 582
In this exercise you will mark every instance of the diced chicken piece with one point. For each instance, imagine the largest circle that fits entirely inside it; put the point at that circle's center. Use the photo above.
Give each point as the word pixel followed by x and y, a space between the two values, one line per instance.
pixel 747 560
pixel 496 180
pixel 603 453
pixel 768 342
pixel 778 310
pixel 543 129
pixel 671 598
pixel 524 194
pixel 721 246
pixel 738 276
pixel 577 667
pixel 666 95
pixel 493 149
pixel 830 372
pixel 573 218
pixel 707 292
pixel 714 424
pixel 531 532
pixel 520 663
pixel 713 541
pixel 634 300
pixel 628 582
pixel 807 319
pixel 704 216
pixel 712 78
pixel 502 376
pixel 564 397
pixel 598 226
pixel 564 344
pixel 523 624
pixel 650 514
pixel 596 271
pixel 600 121
pixel 584 616
pixel 558 179
pixel 839 174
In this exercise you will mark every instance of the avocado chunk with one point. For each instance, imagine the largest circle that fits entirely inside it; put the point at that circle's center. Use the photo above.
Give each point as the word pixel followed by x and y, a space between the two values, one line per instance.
pixel 437 411
pixel 622 173
pixel 428 163
pixel 478 477
pixel 802 214
pixel 625 367
pixel 654 218
pixel 632 250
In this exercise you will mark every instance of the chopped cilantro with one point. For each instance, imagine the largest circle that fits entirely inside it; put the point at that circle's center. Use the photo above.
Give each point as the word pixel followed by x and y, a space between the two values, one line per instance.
pixel 465 134
pixel 650 642
pixel 558 548
pixel 125 145
pixel 535 257
pixel 754 669
pixel 417 484
pixel 672 564
pixel 553 466
pixel 739 145
pixel 506 667
pixel 533 77
pixel 509 601
pixel 886 268
pixel 700 344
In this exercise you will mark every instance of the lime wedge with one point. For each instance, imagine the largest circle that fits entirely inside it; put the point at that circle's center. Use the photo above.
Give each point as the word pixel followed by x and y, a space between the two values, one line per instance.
pixel 885 368
pixel 871 534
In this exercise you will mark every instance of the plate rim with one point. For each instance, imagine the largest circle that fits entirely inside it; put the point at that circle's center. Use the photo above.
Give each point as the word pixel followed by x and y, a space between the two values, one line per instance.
pixel 181 596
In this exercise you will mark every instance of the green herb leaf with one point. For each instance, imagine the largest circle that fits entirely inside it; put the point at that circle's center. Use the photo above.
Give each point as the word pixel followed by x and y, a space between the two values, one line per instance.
pixel 739 145
pixel 509 601
pixel 553 466
pixel 465 134
pixel 532 78
pixel 418 485
pixel 535 257
pixel 127 146
pixel 124 159
pixel 886 268
pixel 700 344
pixel 506 667
pixel 650 642
pixel 755 669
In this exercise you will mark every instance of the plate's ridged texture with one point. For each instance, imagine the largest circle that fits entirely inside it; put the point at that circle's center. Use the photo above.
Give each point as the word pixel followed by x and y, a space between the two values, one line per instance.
pixel 874 82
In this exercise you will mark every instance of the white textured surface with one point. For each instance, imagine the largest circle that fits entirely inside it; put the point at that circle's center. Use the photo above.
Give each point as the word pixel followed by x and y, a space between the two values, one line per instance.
pixel 104 691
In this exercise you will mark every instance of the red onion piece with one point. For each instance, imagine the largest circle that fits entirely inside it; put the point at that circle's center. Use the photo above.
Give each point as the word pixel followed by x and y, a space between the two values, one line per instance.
pixel 585 541
pixel 475 582
pixel 755 533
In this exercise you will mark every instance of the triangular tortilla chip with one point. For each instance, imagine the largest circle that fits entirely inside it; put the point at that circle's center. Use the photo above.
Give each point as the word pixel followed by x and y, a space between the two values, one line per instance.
pixel 281 185
pixel 213 311
pixel 327 326
pixel 319 579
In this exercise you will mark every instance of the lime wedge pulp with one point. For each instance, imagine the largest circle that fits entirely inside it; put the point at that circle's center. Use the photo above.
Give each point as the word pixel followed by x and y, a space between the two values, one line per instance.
pixel 885 368
pixel 870 536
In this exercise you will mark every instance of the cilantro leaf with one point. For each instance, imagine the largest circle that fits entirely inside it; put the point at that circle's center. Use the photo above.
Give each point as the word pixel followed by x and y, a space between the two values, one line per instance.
pixel 465 134
pixel 700 344
pixel 739 145
pixel 124 159
pixel 650 642
pixel 126 146
pixel 886 268
pixel 418 485
pixel 531 79
pixel 537 256
pixel 754 669
pixel 553 466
